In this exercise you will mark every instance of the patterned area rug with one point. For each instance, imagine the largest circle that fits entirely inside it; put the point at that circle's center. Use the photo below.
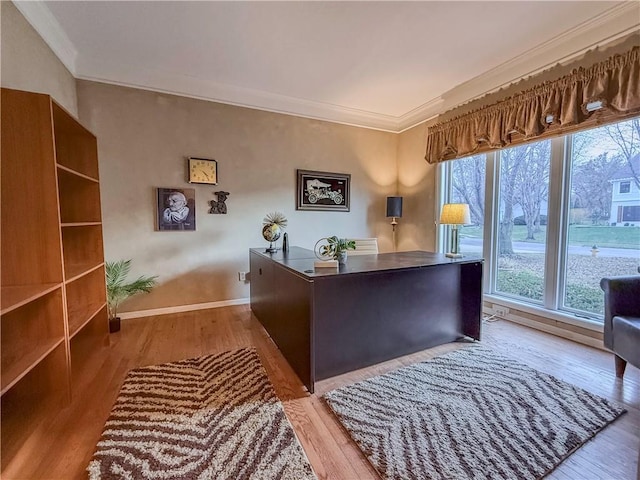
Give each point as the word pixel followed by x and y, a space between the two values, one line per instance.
pixel 212 417
pixel 469 414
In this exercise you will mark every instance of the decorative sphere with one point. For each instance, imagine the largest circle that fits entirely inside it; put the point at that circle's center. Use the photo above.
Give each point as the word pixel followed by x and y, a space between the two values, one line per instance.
pixel 271 232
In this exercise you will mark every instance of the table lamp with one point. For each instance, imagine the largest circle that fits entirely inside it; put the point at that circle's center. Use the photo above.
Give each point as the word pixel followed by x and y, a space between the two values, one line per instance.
pixel 455 214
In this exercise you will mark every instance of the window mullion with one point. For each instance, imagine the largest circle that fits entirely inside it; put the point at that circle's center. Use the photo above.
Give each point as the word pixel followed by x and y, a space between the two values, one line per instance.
pixel 556 225
pixel 489 240
pixel 494 219
pixel 443 192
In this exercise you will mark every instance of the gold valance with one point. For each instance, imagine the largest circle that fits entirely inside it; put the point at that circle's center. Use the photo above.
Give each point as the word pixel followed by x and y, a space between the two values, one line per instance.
pixel 550 108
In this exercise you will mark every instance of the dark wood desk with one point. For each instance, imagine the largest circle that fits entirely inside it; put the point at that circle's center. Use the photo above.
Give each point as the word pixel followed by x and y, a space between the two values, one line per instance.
pixel 375 308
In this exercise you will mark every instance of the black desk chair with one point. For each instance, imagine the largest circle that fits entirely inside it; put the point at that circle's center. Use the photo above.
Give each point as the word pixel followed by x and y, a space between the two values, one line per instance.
pixel 622 319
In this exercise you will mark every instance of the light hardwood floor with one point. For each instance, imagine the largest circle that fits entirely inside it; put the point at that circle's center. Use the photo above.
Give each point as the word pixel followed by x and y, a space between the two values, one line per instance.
pixel 64 446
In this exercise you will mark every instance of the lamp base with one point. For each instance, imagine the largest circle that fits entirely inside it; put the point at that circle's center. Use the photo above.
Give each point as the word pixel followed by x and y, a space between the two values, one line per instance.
pixel 453 255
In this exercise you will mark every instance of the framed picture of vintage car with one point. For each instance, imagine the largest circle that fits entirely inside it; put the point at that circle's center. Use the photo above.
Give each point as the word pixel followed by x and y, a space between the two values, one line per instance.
pixel 323 191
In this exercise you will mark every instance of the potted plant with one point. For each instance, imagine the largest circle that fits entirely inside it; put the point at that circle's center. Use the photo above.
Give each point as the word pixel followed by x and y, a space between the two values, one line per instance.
pixel 118 290
pixel 337 248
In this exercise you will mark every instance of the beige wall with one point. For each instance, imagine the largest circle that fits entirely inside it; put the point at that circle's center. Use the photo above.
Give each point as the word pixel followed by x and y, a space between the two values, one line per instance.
pixel 144 137
pixel 29 64
pixel 416 183
pixel 143 140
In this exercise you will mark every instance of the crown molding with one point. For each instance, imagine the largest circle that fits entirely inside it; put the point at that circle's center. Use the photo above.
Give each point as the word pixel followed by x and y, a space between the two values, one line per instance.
pixel 198 88
pixel 618 21
pixel 42 20
pixel 423 113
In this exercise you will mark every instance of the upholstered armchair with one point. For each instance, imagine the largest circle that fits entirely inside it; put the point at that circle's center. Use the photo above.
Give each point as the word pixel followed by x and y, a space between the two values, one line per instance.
pixel 622 319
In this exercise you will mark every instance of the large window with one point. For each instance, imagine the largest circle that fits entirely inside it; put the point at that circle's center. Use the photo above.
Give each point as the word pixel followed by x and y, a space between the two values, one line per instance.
pixel 553 217
pixel 523 190
pixel 597 243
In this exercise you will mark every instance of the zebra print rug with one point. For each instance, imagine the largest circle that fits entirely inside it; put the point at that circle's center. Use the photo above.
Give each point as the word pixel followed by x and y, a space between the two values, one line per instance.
pixel 469 414
pixel 212 417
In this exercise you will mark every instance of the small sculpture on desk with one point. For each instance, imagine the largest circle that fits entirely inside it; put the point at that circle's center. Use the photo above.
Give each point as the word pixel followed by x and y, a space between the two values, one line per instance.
pixel 335 248
pixel 272 227
pixel 285 243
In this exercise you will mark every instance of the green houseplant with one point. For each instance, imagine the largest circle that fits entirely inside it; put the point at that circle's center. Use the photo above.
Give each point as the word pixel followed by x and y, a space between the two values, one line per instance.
pixel 119 290
pixel 337 248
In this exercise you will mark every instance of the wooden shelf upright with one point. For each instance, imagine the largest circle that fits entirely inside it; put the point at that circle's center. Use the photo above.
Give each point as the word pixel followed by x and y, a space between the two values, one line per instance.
pixel 53 287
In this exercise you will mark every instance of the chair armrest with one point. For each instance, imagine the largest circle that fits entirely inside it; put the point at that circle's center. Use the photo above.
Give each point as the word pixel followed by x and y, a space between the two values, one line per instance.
pixel 621 297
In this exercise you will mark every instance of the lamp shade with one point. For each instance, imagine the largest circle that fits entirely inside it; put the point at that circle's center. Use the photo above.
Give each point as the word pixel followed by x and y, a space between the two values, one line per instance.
pixel 394 207
pixel 455 214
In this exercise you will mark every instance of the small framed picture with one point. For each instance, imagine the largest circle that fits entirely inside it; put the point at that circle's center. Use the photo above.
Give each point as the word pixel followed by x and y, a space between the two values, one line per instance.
pixel 323 191
pixel 176 209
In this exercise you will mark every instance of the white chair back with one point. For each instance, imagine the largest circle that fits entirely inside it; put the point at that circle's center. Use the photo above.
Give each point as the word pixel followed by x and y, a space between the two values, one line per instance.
pixel 364 246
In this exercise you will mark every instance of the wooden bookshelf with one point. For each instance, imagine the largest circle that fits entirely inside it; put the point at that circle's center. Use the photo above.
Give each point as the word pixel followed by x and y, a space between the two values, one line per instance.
pixel 27 407
pixel 82 249
pixel 28 334
pixel 85 296
pixel 53 285
pixel 76 147
pixel 79 198
pixel 86 341
pixel 31 252
pixel 18 295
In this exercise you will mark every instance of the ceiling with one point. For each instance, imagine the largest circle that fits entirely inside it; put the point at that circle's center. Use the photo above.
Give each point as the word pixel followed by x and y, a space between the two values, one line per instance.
pixel 385 65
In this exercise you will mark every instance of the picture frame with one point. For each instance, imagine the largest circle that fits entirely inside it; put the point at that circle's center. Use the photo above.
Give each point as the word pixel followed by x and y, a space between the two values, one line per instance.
pixel 175 209
pixel 323 191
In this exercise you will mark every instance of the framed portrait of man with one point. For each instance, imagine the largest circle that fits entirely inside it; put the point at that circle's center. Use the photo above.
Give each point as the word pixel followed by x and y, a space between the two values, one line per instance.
pixel 176 209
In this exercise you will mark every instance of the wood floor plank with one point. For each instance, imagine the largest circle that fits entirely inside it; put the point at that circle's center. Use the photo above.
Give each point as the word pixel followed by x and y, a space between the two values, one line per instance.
pixel 68 442
pixel 339 438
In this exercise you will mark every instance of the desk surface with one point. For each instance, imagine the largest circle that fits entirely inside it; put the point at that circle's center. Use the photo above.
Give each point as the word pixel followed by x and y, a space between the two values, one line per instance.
pixel 301 260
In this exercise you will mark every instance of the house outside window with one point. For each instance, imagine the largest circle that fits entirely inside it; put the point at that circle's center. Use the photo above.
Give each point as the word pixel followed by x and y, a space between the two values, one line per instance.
pixel 554 219
pixel 625 197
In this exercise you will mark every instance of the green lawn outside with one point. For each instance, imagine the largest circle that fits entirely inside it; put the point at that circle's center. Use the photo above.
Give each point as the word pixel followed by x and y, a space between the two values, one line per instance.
pixel 620 237
pixel 528 285
pixel 582 235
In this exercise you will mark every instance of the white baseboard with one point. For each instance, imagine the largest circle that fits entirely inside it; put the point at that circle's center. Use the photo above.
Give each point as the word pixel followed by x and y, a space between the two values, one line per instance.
pixel 183 308
pixel 559 332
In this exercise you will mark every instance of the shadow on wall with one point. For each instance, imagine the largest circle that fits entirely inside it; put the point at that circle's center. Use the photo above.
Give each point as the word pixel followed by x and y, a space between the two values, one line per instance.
pixel 417 230
pixel 380 225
